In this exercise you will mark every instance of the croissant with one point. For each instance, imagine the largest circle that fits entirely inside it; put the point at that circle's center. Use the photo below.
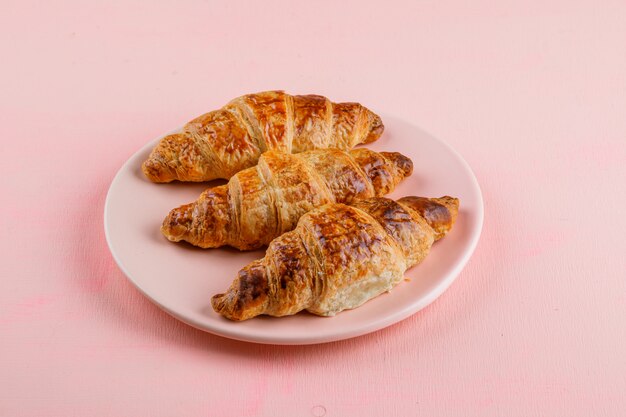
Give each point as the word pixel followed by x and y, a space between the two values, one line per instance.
pixel 223 142
pixel 338 257
pixel 262 202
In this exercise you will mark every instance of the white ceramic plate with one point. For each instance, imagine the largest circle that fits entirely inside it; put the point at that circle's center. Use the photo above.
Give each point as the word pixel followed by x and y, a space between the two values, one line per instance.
pixel 181 279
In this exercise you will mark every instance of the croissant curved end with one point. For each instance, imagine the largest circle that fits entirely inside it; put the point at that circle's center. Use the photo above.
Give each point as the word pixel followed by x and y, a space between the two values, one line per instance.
pixel 440 213
pixel 230 306
pixel 376 128
pixel 153 169
pixel 247 296
pixel 401 162
pixel 221 304
pixel 176 157
pixel 178 222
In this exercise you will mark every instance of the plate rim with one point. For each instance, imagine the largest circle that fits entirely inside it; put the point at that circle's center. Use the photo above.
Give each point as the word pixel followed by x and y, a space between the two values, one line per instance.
pixel 332 336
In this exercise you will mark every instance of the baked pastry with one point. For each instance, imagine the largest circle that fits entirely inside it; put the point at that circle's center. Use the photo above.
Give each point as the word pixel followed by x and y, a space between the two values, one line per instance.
pixel 338 257
pixel 223 142
pixel 260 203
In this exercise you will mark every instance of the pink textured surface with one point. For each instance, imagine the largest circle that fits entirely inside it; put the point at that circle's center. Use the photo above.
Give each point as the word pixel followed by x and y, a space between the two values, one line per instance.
pixel 532 94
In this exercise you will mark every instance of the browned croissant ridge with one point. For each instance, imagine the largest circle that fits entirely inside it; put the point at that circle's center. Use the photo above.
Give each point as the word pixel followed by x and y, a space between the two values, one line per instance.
pixel 260 203
pixel 221 143
pixel 338 257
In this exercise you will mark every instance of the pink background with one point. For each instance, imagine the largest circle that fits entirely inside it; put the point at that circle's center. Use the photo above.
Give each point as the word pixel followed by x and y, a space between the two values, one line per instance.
pixel 532 94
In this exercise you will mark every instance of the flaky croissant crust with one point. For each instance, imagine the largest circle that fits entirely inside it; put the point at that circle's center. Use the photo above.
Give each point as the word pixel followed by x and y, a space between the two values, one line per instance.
pixel 262 202
pixel 221 143
pixel 338 257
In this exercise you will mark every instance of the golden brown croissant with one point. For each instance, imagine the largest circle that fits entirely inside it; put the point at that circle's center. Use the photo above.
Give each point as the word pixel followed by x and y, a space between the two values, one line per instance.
pixel 338 257
pixel 223 142
pixel 262 202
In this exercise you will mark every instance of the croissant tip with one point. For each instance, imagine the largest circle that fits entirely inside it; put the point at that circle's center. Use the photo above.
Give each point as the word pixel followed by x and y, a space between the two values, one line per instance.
pixel 403 163
pixel 150 170
pixel 153 170
pixel 218 304
pixel 451 203
pixel 440 213
pixel 223 305
pixel 178 222
pixel 376 129
pixel 247 297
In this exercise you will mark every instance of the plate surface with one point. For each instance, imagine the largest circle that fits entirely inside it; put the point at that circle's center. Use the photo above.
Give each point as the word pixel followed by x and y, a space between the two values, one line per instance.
pixel 181 279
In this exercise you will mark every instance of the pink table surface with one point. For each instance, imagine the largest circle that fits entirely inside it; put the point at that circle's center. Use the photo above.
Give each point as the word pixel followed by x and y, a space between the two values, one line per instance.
pixel 532 94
